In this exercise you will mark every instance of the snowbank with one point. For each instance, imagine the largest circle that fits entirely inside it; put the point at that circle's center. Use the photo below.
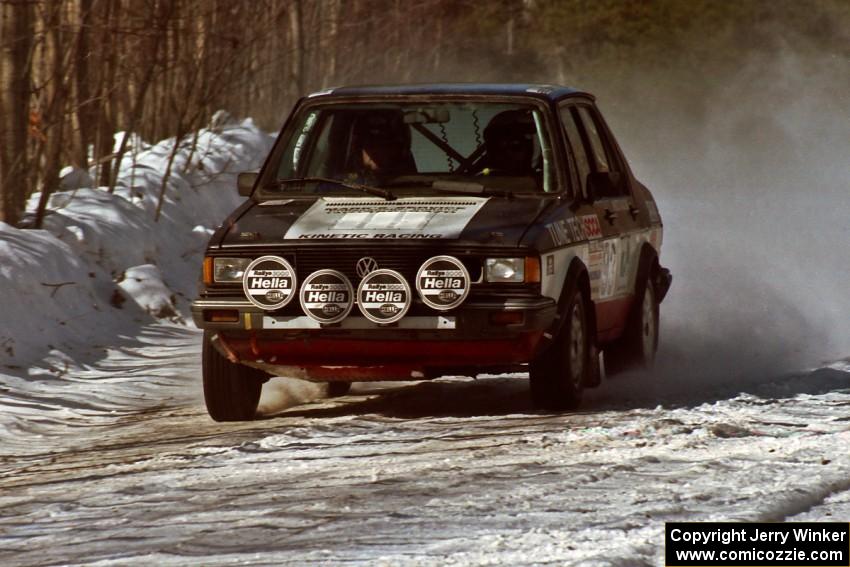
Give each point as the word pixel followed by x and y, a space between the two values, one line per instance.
pixel 102 266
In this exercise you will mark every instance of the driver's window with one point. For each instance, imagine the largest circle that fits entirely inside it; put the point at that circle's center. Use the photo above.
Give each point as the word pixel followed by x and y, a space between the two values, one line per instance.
pixel 602 155
pixel 600 150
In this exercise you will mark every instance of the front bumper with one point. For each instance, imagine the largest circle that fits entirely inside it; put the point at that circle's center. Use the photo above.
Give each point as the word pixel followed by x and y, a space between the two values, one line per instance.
pixel 470 336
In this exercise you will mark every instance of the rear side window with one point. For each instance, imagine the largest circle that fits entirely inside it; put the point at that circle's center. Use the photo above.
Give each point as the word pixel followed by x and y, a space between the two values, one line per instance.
pixel 574 138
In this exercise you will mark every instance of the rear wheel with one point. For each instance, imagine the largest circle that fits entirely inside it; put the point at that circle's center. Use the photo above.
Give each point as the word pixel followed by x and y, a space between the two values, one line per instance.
pixel 639 343
pixel 559 374
pixel 231 391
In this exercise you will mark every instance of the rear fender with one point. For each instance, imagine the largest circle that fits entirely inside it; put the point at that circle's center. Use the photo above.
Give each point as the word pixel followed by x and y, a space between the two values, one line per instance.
pixel 649 270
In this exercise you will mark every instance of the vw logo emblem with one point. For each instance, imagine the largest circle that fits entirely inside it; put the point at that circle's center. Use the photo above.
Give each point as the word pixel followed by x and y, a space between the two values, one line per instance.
pixel 365 266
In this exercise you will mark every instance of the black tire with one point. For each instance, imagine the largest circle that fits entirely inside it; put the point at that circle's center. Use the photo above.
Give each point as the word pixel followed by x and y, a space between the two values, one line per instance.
pixel 231 391
pixel 558 376
pixel 636 349
pixel 337 389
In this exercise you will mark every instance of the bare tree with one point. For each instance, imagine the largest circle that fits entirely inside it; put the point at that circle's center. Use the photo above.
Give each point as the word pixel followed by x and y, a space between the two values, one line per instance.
pixel 58 63
pixel 16 31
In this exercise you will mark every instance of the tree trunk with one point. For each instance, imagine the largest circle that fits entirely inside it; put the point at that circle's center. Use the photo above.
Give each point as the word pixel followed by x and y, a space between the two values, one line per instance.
pixel 16 33
pixel 86 110
pixel 160 20
pixel 55 110
pixel 104 142
pixel 299 44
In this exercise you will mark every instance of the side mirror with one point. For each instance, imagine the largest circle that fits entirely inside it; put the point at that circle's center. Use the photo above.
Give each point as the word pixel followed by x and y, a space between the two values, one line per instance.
pixel 245 182
pixel 602 184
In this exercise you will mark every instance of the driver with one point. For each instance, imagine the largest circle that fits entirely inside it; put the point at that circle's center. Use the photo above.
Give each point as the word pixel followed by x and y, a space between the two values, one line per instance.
pixel 509 141
pixel 380 144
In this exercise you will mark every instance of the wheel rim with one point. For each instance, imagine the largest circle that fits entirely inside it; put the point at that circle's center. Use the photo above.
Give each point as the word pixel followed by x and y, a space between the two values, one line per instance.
pixel 648 324
pixel 577 344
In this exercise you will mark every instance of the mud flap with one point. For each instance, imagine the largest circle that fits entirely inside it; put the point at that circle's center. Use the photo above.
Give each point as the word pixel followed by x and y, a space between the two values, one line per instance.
pixel 594 372
pixel 663 279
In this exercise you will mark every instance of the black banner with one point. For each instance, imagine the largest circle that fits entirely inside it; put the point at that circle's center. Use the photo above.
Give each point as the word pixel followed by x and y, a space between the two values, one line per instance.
pixel 803 544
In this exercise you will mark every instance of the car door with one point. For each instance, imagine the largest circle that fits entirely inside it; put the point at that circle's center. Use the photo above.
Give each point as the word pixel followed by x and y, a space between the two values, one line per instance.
pixel 608 221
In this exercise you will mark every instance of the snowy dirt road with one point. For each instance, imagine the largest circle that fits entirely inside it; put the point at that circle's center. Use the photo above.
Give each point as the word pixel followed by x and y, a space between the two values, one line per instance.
pixel 448 472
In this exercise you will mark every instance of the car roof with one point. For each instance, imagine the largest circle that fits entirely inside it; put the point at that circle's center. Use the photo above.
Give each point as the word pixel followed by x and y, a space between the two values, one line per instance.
pixel 541 91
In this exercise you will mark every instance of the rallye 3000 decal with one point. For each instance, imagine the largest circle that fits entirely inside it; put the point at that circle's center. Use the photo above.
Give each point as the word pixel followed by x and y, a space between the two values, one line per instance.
pixel 407 218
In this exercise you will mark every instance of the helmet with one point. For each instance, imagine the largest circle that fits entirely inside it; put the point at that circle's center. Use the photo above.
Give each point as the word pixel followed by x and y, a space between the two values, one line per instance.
pixel 381 128
pixel 509 139
pixel 380 143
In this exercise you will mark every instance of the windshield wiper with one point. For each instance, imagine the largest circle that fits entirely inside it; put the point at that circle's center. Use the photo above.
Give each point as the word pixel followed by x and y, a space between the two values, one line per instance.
pixel 388 195
pixel 469 188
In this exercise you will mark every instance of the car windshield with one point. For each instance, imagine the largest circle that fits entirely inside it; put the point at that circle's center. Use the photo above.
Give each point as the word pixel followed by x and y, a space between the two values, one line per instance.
pixel 415 148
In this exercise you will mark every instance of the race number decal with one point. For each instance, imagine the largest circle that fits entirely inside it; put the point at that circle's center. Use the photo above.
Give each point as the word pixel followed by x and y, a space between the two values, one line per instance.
pixel 383 296
pixel 327 296
pixel 442 282
pixel 269 282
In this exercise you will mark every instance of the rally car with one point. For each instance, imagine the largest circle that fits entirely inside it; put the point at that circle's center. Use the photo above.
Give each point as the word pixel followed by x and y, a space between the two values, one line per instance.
pixel 410 232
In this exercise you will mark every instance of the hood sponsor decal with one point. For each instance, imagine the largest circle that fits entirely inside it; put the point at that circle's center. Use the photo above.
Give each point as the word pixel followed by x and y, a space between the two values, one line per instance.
pixel 327 296
pixel 442 282
pixel 383 296
pixel 269 282
pixel 407 218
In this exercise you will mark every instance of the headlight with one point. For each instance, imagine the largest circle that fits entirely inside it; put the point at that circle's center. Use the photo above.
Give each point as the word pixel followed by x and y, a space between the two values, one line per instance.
pixel 505 270
pixel 512 270
pixel 229 270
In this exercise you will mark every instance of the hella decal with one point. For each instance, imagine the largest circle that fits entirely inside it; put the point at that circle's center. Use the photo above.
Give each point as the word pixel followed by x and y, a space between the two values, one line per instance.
pixel 269 282
pixel 443 282
pixel 327 296
pixel 383 296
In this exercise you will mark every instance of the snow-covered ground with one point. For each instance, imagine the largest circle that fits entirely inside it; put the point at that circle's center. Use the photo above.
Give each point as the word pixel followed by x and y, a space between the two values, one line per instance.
pixel 107 456
pixel 453 472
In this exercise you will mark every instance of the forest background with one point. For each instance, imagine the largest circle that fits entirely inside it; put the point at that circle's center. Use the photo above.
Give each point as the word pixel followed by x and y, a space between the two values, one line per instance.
pixel 73 73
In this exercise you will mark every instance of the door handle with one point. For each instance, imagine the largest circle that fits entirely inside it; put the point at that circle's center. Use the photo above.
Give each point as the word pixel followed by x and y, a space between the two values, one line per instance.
pixel 610 216
pixel 633 211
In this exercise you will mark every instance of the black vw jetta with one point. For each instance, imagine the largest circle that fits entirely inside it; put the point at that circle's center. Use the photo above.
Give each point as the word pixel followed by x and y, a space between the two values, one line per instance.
pixel 409 232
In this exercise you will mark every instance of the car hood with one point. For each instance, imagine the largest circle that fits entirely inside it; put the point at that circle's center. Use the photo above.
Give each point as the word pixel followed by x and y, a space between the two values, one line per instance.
pixel 473 219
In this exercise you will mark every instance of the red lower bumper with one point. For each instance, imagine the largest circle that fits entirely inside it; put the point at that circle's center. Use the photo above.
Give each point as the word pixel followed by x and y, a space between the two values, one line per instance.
pixel 307 352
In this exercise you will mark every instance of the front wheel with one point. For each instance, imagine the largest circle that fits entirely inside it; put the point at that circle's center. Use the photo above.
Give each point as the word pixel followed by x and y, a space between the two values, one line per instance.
pixel 639 343
pixel 559 374
pixel 231 390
